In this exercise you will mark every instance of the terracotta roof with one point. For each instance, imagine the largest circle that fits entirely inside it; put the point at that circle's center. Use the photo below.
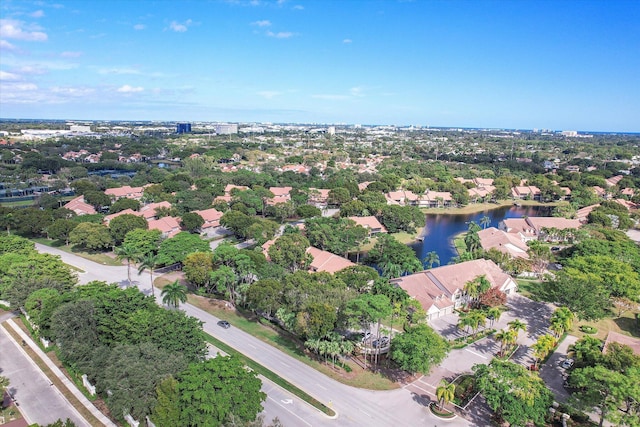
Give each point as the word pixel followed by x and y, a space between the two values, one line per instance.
pixel 326 261
pixel 79 206
pixel 210 216
pixel 107 219
pixel 125 191
pixel 616 337
pixel 540 222
pixel 280 191
pixel 168 225
pixel 369 222
pixel 614 180
pixel 149 211
pixel 436 286
pixel 492 238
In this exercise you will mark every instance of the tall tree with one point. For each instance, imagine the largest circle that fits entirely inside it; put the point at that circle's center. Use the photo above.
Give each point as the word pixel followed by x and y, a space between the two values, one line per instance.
pixel 148 261
pixel 431 259
pixel 173 294
pixel 418 349
pixel 213 391
pixel 129 254
pixel 513 393
pixel 445 393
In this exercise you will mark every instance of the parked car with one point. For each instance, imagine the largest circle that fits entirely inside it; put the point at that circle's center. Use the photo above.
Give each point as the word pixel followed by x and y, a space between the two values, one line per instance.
pixel 367 336
pixel 224 324
pixel 567 363
pixel 382 342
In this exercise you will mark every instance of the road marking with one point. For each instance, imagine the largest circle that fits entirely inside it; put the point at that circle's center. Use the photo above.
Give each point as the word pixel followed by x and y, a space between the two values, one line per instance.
pixel 473 352
pixel 287 401
pixel 365 413
pixel 318 385
pixel 290 411
pixel 252 346
pixel 285 364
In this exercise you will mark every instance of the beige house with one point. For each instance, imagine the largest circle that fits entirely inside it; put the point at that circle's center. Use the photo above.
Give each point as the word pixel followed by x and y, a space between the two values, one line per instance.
pixel 125 192
pixel 441 290
pixel 79 206
pixel 371 223
pixel 536 227
pixel 507 243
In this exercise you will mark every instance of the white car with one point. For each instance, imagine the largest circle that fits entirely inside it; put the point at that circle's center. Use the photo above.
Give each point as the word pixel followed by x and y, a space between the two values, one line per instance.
pixel 567 363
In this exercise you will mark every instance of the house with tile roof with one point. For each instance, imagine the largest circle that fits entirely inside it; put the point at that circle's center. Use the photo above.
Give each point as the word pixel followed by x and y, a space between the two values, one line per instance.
pixel 322 261
pixel 211 218
pixel 440 290
pixel 125 192
pixel 370 223
pixel 79 206
pixel 169 226
pixel 526 192
pixel 507 243
pixel 537 227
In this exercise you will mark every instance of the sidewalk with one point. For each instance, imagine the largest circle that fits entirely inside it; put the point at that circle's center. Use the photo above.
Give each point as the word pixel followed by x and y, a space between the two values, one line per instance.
pixel 58 373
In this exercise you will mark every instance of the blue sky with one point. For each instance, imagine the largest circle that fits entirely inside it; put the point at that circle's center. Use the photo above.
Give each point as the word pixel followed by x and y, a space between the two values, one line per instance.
pixel 496 64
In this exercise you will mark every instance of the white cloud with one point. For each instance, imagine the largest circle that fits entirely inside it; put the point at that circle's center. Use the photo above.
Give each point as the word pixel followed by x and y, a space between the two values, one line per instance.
pixel 298 7
pixel 72 91
pixel 280 35
pixel 9 77
pixel 70 54
pixel 139 27
pixel 356 91
pixel 118 71
pixel 178 27
pixel 347 41
pixel 330 97
pixel 37 14
pixel 130 89
pixel 28 69
pixel 5 45
pixel 269 94
pixel 263 23
pixel 13 29
pixel 22 87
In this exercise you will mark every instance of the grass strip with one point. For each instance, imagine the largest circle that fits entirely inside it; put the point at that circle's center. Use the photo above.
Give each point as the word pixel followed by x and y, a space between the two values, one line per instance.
pixel 73 400
pixel 258 368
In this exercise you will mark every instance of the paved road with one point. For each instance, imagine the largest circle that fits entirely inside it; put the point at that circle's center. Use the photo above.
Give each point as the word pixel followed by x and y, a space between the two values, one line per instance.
pixel 39 401
pixel 355 407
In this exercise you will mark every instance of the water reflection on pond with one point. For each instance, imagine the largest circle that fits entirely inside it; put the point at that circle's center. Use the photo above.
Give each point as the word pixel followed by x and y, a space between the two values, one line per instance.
pixel 442 228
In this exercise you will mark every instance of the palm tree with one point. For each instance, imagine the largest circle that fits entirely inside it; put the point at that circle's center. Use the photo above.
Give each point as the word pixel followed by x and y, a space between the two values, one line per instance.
pixel 562 319
pixel 477 319
pixel 517 325
pixel 471 288
pixel 130 254
pixel 542 347
pixel 431 258
pixel 494 314
pixel 485 221
pixel 464 323
pixel 173 294
pixel 445 393
pixel 149 261
pixel 503 338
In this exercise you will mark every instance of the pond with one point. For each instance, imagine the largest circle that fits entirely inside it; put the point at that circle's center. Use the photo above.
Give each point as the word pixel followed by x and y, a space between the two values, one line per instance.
pixel 442 228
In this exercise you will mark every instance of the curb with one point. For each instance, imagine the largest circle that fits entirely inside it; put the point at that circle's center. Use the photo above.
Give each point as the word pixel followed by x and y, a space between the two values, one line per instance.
pixel 58 373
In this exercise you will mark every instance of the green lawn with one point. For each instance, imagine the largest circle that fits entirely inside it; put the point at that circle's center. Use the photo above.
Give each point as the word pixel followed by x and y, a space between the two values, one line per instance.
pixel 104 258
pixel 283 341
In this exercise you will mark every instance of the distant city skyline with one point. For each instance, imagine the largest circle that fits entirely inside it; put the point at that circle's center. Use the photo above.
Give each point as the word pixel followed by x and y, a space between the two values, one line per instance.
pixel 571 65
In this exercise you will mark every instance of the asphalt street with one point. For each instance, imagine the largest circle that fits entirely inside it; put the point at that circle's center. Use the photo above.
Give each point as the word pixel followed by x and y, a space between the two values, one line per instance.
pixel 39 401
pixel 355 407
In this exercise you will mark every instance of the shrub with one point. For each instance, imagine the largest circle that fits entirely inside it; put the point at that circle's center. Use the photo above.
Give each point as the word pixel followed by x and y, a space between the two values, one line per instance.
pixel 588 329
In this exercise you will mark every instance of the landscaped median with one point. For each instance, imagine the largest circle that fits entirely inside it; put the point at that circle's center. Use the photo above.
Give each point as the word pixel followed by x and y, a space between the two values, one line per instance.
pixel 258 368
